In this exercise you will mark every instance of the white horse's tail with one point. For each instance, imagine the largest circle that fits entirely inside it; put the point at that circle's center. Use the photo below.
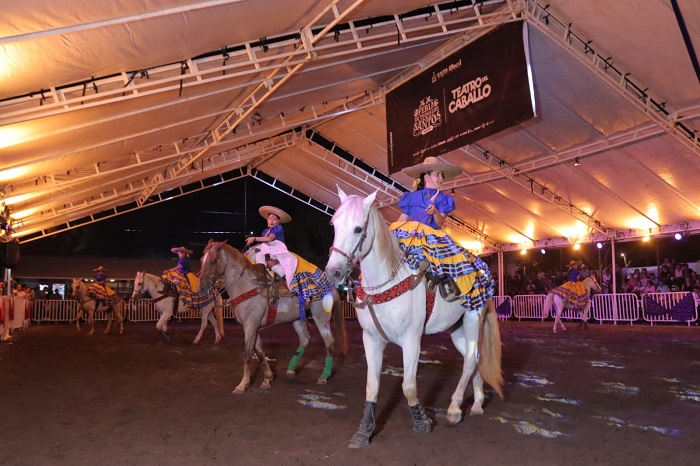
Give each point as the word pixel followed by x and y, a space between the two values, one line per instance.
pixel 219 312
pixel 547 308
pixel 490 349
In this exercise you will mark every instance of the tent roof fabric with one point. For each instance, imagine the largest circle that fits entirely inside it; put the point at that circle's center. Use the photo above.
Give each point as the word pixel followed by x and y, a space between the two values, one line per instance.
pixel 128 103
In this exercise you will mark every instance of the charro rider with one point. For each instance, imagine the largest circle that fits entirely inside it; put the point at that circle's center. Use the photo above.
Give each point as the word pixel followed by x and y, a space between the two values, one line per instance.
pixel 270 248
pixel 426 246
pixel 302 277
pixel 100 291
pixel 181 278
pixel 573 292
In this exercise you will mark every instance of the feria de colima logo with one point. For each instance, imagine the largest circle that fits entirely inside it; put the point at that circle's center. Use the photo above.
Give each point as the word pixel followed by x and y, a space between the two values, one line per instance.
pixel 426 117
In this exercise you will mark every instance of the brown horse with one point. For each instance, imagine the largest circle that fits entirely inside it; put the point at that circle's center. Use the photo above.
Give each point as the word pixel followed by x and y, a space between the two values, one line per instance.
pixel 253 311
pixel 88 305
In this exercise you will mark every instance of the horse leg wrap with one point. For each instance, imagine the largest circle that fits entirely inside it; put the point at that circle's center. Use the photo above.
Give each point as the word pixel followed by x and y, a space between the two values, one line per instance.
pixel 421 422
pixel 295 359
pixel 327 367
pixel 361 437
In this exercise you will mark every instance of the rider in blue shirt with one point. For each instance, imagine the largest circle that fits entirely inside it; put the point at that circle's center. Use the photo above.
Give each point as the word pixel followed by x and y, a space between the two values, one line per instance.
pixel 428 247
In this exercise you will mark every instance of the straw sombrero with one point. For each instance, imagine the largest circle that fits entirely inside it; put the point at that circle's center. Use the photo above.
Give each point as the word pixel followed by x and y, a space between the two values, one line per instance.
pixel 100 269
pixel 431 164
pixel 572 262
pixel 267 210
pixel 181 249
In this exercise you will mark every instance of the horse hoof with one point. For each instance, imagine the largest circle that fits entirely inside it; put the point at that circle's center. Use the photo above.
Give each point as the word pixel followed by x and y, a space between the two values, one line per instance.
pixel 265 385
pixel 359 440
pixel 321 381
pixel 476 411
pixel 238 391
pixel 164 336
pixel 291 374
pixel 454 418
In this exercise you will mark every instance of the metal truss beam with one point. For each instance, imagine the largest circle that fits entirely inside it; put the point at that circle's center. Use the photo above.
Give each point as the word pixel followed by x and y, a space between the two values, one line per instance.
pixel 271 55
pixel 322 148
pixel 670 121
pixel 535 187
pixel 219 163
pixel 261 92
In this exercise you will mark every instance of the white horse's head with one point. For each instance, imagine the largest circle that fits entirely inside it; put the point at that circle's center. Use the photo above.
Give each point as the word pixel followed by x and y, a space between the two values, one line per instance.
pixel 138 285
pixel 350 223
pixel 75 287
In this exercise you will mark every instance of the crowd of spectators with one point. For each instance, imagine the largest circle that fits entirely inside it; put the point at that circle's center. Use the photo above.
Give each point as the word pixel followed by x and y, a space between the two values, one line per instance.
pixel 671 276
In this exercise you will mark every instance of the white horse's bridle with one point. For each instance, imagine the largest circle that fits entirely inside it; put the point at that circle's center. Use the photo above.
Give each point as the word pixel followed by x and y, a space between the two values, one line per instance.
pixel 351 258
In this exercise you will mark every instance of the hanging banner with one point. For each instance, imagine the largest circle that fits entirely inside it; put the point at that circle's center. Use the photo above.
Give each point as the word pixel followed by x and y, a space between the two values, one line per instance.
pixel 478 91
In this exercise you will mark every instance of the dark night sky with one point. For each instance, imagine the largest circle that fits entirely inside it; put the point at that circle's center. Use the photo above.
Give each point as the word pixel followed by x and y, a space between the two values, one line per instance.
pixel 230 212
pixel 225 212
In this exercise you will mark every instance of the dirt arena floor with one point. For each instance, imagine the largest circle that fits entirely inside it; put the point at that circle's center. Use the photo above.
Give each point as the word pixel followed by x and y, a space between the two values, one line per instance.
pixel 611 395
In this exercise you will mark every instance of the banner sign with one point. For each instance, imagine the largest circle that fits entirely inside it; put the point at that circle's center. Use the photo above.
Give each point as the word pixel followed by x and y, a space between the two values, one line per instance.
pixel 478 91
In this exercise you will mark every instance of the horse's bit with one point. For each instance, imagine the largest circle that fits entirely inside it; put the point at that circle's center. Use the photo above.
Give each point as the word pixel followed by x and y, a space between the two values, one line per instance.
pixel 350 258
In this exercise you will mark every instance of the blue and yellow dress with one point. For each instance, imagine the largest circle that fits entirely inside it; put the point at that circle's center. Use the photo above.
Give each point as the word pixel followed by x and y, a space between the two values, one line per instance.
pixel 100 291
pixel 421 239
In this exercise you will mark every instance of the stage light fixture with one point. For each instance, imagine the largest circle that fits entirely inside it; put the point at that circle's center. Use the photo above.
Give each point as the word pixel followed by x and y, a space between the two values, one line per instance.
pixel 576 162
pixel 599 245
pixel 678 236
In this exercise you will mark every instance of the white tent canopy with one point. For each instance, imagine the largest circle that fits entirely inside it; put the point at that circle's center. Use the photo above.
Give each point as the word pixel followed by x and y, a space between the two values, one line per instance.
pixel 128 103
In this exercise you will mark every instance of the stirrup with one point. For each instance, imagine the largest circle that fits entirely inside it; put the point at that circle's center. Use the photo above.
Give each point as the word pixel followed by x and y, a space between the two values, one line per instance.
pixel 449 289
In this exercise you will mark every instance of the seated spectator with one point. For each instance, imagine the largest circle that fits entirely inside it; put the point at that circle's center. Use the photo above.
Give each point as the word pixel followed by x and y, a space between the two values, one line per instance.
pixel 652 278
pixel 662 288
pixel 634 285
pixel 665 275
pixel 687 284
pixel 648 288
pixel 678 275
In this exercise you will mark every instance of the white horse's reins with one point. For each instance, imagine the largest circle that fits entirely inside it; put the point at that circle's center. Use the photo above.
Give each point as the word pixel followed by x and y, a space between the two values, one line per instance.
pixel 350 258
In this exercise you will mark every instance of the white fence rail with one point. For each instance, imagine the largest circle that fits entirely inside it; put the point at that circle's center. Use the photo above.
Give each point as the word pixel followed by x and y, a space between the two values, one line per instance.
pixel 623 307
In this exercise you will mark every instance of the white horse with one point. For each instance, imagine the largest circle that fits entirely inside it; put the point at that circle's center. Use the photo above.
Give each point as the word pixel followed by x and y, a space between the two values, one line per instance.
pixel 553 299
pixel 361 235
pixel 89 304
pixel 146 283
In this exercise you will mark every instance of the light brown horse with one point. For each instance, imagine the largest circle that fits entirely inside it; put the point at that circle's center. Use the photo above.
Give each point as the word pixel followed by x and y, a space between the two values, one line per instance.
pixel 88 305
pixel 253 311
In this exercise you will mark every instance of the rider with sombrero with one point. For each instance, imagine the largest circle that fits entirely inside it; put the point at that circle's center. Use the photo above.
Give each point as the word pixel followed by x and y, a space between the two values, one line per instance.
pixel 573 291
pixel 427 247
pixel 270 248
pixel 100 290
pixel 184 281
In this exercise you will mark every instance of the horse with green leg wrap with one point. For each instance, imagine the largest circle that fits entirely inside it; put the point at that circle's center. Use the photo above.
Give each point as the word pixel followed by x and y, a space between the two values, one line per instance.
pixel 255 311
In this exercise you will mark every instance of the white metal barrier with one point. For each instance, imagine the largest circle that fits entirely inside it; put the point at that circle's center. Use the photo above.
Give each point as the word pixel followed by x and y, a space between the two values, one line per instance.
pixel 55 310
pixel 142 310
pixel 622 307
pixel 528 306
pixel 615 307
